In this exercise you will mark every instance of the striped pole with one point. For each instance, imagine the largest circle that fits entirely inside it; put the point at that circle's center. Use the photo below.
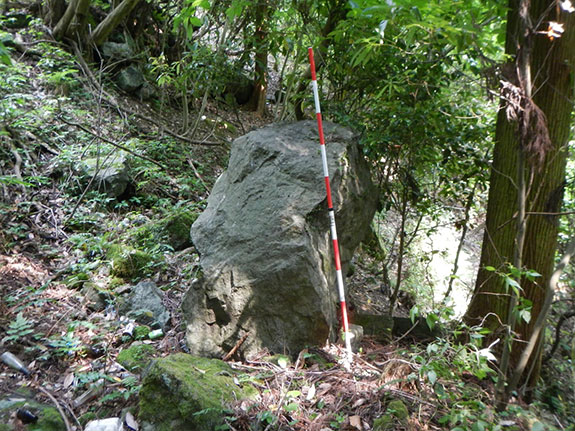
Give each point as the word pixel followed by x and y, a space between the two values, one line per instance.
pixel 339 275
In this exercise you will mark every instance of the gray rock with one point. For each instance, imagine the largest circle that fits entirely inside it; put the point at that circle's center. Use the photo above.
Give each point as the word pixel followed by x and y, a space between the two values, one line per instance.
pixel 265 245
pixel 144 304
pixel 130 79
pixel 356 337
pixel 95 299
pixel 111 174
pixel 117 51
pixel 147 92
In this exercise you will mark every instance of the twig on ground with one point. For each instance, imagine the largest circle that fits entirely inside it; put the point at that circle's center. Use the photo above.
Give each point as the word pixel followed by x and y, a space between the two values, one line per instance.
pixel 109 141
pixel 197 174
pixel 236 347
pixel 58 407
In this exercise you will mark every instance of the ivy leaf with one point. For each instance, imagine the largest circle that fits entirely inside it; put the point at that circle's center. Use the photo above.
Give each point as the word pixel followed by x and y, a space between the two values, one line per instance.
pixel 432 377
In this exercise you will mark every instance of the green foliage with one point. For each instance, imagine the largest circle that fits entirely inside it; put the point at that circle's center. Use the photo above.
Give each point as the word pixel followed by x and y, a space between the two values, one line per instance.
pixel 18 330
pixel 4 55
pixel 63 346
pixel 129 263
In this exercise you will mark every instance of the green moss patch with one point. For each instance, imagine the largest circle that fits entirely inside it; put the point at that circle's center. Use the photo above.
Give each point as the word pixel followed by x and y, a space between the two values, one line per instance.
pixel 177 227
pixel 136 357
pixel 185 393
pixel 173 230
pixel 48 417
pixel 396 416
pixel 128 263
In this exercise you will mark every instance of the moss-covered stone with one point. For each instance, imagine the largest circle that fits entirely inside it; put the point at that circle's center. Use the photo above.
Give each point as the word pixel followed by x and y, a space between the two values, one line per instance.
pixel 378 326
pixel 177 227
pixel 398 409
pixel 186 393
pixel 395 416
pixel 127 262
pixel 173 230
pixel 48 417
pixel 136 357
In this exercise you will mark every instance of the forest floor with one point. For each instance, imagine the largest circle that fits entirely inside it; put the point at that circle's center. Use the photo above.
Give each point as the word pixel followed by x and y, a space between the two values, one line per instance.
pixel 54 229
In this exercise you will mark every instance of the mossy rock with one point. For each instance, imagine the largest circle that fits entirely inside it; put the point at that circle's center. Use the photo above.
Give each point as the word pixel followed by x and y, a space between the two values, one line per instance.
pixel 173 230
pixel 136 357
pixel 182 392
pixel 128 263
pixel 177 227
pixel 377 326
pixel 48 417
pixel 396 416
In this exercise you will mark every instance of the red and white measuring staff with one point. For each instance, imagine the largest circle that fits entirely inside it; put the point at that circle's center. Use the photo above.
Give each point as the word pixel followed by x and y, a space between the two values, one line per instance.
pixel 331 211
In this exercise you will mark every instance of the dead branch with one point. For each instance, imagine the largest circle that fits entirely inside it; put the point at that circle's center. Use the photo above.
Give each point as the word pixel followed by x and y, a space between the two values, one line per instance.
pixel 236 347
pixel 112 143
pixel 564 317
pixel 58 407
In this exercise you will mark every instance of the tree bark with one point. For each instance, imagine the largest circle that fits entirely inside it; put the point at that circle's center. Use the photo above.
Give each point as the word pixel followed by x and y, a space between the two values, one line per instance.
pixel 53 10
pixel 337 12
pixel 552 63
pixel 107 26
pixel 61 28
pixel 257 100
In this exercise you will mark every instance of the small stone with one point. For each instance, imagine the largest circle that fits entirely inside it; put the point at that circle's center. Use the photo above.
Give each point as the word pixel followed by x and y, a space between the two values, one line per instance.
pixel 109 424
pixel 145 305
pixel 130 79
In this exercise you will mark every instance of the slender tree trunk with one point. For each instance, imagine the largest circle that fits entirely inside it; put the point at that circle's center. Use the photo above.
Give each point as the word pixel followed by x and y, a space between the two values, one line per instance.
pixel 61 28
pixel 114 18
pixel 552 75
pixel 337 12
pixel 257 100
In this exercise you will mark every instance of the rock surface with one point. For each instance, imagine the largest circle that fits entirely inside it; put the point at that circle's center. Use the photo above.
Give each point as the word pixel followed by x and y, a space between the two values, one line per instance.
pixel 144 304
pixel 110 174
pixel 182 392
pixel 265 245
pixel 108 424
pixel 130 79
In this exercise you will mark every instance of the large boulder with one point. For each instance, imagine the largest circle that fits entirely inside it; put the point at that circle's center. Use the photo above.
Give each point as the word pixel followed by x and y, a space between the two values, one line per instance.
pixel 264 241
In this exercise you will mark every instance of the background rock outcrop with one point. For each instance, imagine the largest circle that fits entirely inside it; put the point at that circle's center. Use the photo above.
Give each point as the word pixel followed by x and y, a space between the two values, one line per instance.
pixel 264 242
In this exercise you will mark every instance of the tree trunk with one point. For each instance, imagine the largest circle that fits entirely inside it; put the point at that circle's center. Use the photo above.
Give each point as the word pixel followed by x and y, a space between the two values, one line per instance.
pixel 337 12
pixel 61 28
pixel 257 100
pixel 53 10
pixel 107 26
pixel 552 63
